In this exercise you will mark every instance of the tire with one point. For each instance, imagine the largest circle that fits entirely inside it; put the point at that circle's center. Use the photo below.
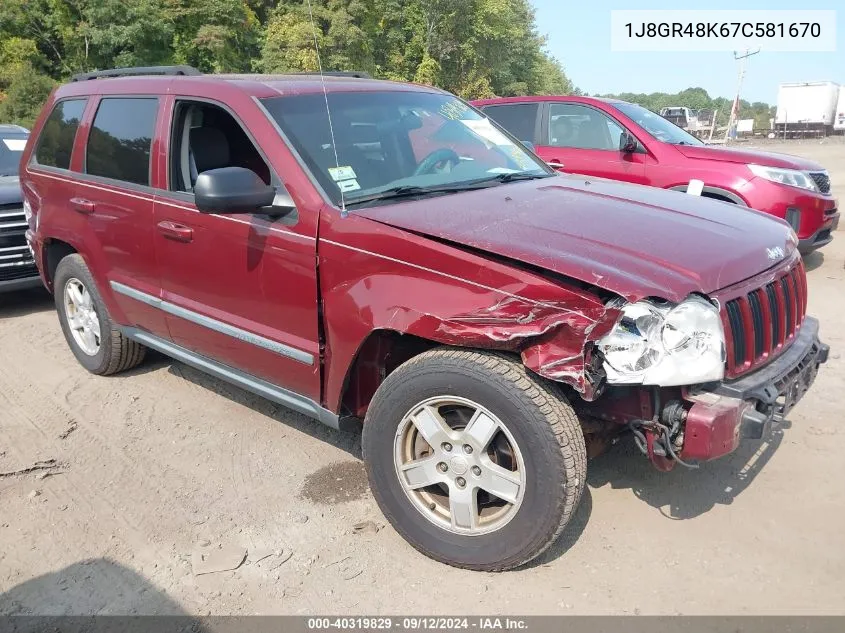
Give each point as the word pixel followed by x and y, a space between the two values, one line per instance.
pixel 543 446
pixel 114 351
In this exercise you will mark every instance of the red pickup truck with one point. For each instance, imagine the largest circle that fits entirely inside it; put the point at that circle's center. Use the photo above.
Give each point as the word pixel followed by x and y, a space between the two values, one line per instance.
pixel 624 141
pixel 406 263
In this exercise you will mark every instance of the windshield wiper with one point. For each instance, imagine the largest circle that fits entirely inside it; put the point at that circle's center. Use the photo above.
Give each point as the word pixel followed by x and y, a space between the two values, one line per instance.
pixel 405 191
pixel 511 177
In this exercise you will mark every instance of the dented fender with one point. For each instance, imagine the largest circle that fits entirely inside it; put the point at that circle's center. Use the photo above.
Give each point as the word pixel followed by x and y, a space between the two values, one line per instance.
pixel 376 277
pixel 552 337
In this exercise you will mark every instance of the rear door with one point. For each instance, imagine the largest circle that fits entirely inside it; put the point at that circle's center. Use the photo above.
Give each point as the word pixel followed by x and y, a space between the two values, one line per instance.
pixel 581 139
pixel 115 197
pixel 48 183
pixel 520 119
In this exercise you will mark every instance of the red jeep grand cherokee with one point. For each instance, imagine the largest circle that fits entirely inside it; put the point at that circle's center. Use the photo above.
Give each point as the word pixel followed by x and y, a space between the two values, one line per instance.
pixel 412 266
pixel 624 141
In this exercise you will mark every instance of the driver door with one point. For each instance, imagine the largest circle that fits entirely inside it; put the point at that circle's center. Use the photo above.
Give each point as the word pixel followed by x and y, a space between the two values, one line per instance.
pixel 585 140
pixel 240 289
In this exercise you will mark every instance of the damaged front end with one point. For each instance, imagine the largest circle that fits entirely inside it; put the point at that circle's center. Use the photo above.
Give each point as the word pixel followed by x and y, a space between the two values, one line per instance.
pixel 553 339
pixel 649 366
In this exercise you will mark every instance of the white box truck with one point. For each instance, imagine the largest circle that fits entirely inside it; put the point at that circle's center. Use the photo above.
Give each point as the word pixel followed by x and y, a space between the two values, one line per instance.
pixel 806 107
pixel 839 115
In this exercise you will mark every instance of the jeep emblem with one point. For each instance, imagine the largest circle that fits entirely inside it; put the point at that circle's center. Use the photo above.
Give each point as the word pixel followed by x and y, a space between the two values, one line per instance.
pixel 775 252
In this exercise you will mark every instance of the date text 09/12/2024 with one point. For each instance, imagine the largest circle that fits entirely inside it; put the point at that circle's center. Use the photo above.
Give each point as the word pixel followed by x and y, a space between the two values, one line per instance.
pixel 417 623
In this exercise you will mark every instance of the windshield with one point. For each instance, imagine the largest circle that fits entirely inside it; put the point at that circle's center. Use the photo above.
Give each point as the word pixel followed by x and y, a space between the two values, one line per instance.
pixel 11 150
pixel 656 125
pixel 404 142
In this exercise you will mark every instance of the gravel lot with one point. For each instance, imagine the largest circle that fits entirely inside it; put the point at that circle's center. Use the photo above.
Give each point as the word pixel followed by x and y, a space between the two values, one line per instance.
pixel 163 469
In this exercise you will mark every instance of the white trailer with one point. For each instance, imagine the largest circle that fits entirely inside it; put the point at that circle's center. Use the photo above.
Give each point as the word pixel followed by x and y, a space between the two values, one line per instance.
pixel 839 115
pixel 806 107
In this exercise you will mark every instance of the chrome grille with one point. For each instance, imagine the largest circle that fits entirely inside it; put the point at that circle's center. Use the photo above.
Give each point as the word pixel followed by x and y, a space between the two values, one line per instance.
pixel 15 258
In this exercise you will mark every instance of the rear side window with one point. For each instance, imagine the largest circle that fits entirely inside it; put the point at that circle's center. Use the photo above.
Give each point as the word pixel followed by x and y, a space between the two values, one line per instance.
pixel 520 119
pixel 120 139
pixel 55 145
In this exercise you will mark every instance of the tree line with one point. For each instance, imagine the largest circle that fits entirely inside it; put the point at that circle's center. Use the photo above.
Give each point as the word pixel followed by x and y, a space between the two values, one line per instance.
pixel 699 99
pixel 474 48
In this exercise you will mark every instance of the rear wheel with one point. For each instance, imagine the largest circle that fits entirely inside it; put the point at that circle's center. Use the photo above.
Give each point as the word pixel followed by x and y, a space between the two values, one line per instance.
pixel 94 339
pixel 476 462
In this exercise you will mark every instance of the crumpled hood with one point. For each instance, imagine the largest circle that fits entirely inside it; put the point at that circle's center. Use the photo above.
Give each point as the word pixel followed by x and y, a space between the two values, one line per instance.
pixel 748 156
pixel 633 240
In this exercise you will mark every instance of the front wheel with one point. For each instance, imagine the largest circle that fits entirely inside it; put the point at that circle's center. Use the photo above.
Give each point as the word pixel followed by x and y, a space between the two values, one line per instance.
pixel 476 462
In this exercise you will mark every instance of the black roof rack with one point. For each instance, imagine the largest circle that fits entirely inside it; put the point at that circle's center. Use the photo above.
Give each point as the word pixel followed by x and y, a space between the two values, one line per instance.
pixel 137 71
pixel 337 73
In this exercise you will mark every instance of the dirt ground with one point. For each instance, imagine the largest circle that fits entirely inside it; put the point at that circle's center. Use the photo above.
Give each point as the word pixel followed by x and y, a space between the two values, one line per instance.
pixel 163 468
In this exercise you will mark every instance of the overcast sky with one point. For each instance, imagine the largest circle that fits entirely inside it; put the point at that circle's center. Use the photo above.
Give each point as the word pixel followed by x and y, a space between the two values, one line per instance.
pixel 579 36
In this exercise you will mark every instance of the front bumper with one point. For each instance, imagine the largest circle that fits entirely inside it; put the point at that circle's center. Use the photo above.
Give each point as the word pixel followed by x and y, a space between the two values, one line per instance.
pixel 12 285
pixel 813 215
pixel 720 417
pixel 821 237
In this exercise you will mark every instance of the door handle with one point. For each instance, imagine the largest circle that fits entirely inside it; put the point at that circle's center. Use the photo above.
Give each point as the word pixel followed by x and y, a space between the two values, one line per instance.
pixel 177 232
pixel 82 205
pixel 555 164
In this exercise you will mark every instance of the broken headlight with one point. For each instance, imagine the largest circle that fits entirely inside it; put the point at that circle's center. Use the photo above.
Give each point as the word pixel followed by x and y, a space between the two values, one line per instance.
pixel 665 344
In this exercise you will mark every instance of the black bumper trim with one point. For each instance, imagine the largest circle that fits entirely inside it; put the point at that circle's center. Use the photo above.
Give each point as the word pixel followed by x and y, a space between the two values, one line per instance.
pixel 24 283
pixel 816 240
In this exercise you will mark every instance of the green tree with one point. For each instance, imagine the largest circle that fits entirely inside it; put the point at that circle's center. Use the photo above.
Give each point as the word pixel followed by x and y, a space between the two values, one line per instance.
pixel 427 72
pixel 290 37
pixel 215 35
pixel 23 87
pixel 475 48
pixel 697 99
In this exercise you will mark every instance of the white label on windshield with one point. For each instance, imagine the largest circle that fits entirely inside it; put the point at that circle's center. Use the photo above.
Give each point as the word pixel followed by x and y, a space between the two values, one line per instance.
pixel 342 173
pixel 348 185
pixel 485 130
pixel 15 144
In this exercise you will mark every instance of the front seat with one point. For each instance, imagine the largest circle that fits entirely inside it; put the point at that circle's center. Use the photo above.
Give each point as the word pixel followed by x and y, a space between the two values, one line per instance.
pixel 561 132
pixel 592 136
pixel 209 150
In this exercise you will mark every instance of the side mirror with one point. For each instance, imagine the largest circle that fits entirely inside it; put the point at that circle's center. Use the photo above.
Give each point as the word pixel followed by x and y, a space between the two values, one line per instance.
pixel 530 146
pixel 231 190
pixel 627 143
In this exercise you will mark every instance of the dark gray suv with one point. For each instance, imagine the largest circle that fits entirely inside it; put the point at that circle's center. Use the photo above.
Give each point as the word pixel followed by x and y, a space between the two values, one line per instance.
pixel 17 268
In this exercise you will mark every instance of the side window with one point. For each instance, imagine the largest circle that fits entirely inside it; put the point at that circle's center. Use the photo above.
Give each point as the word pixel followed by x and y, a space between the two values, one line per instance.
pixel 55 145
pixel 519 119
pixel 205 136
pixel 582 127
pixel 615 131
pixel 120 139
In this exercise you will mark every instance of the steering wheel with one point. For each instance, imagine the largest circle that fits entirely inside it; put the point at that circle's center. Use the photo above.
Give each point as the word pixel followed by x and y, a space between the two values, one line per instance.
pixel 427 164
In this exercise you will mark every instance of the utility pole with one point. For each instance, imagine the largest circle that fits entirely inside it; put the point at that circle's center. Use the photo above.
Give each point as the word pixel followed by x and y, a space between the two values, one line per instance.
pixel 735 108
